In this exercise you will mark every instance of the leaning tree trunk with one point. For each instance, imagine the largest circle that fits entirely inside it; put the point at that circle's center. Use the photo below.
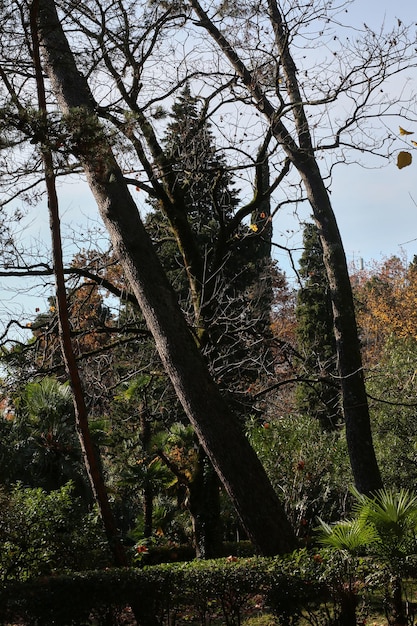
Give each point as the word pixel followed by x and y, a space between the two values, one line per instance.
pixel 299 150
pixel 355 403
pixel 218 430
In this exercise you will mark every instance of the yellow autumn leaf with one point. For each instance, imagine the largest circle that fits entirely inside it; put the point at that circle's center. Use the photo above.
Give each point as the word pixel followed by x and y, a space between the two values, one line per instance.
pixel 254 228
pixel 414 142
pixel 404 159
pixel 405 132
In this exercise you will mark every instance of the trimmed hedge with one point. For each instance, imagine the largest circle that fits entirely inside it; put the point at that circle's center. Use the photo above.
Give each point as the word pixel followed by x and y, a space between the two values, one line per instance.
pixel 161 594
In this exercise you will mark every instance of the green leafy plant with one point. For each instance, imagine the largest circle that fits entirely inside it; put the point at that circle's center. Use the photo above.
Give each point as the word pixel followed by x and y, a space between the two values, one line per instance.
pixel 305 464
pixel 344 569
pixel 393 518
pixel 384 527
pixel 42 532
pixel 349 536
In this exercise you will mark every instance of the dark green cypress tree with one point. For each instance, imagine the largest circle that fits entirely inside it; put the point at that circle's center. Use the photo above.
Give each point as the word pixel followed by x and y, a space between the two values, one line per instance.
pixel 200 170
pixel 208 199
pixel 319 393
pixel 236 292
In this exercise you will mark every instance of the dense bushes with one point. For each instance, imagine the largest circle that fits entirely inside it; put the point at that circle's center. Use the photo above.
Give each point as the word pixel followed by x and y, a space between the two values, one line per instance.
pixel 41 533
pixel 44 538
pixel 307 587
pixel 199 591
pixel 203 589
pixel 305 464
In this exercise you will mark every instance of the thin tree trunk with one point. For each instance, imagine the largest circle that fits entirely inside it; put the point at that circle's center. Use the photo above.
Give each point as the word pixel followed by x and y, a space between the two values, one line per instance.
pixel 218 430
pixel 204 506
pixel 398 616
pixel 355 402
pixel 81 413
pixel 348 604
pixel 148 491
pixel 363 461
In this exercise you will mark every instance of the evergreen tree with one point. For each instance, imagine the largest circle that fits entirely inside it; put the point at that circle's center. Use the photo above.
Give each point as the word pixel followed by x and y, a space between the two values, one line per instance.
pixel 319 393
pixel 231 320
pixel 208 200
pixel 200 168
pixel 234 300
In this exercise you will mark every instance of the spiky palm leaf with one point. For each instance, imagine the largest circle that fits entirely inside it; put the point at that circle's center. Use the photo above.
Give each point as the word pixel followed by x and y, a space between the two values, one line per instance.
pixel 348 536
pixel 394 516
pixel 49 402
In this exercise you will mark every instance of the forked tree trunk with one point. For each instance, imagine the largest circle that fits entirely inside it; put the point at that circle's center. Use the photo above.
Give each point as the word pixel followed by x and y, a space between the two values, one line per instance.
pixel 218 430
pixel 297 144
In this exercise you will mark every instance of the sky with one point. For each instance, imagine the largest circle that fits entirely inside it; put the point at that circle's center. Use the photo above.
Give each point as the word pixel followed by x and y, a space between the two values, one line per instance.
pixel 376 206
pixel 376 210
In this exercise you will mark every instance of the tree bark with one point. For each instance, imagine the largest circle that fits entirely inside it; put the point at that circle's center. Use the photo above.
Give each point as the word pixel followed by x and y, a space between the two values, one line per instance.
pixel 218 430
pixel 91 460
pixel 148 490
pixel 299 150
pixel 355 402
pixel 204 506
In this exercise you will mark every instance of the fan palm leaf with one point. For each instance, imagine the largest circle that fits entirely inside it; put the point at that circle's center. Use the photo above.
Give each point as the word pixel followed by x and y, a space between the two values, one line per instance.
pixel 348 536
pixel 394 518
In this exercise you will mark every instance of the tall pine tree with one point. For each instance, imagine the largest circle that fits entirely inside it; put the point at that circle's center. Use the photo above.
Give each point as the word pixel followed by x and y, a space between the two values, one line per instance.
pixel 319 393
pixel 230 312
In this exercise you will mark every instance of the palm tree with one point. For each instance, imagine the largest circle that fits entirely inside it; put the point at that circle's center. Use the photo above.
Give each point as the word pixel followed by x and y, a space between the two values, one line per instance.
pixel 393 516
pixel 45 434
pixel 348 539
pixel 385 525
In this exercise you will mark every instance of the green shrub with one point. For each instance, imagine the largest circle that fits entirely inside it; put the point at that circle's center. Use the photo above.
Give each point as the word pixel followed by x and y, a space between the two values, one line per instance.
pixel 68 600
pixel 297 589
pixel 312 463
pixel 44 532
pixel 174 553
pixel 159 593
pixel 261 620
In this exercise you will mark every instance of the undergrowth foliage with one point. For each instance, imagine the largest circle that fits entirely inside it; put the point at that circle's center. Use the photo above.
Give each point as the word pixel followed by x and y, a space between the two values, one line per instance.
pixel 306 587
pixel 224 588
pixel 41 533
pixel 367 565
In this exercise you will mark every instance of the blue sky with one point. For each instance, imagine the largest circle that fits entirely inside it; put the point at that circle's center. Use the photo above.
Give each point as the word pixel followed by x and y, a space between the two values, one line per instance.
pixel 376 208
pixel 374 12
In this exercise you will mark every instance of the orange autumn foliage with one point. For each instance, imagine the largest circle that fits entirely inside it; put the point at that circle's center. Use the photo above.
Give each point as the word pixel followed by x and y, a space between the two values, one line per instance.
pixel 91 320
pixel 386 299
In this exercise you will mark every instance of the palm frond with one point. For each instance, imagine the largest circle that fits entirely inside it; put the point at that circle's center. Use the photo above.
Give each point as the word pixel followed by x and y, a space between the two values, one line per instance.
pixel 393 514
pixel 348 535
